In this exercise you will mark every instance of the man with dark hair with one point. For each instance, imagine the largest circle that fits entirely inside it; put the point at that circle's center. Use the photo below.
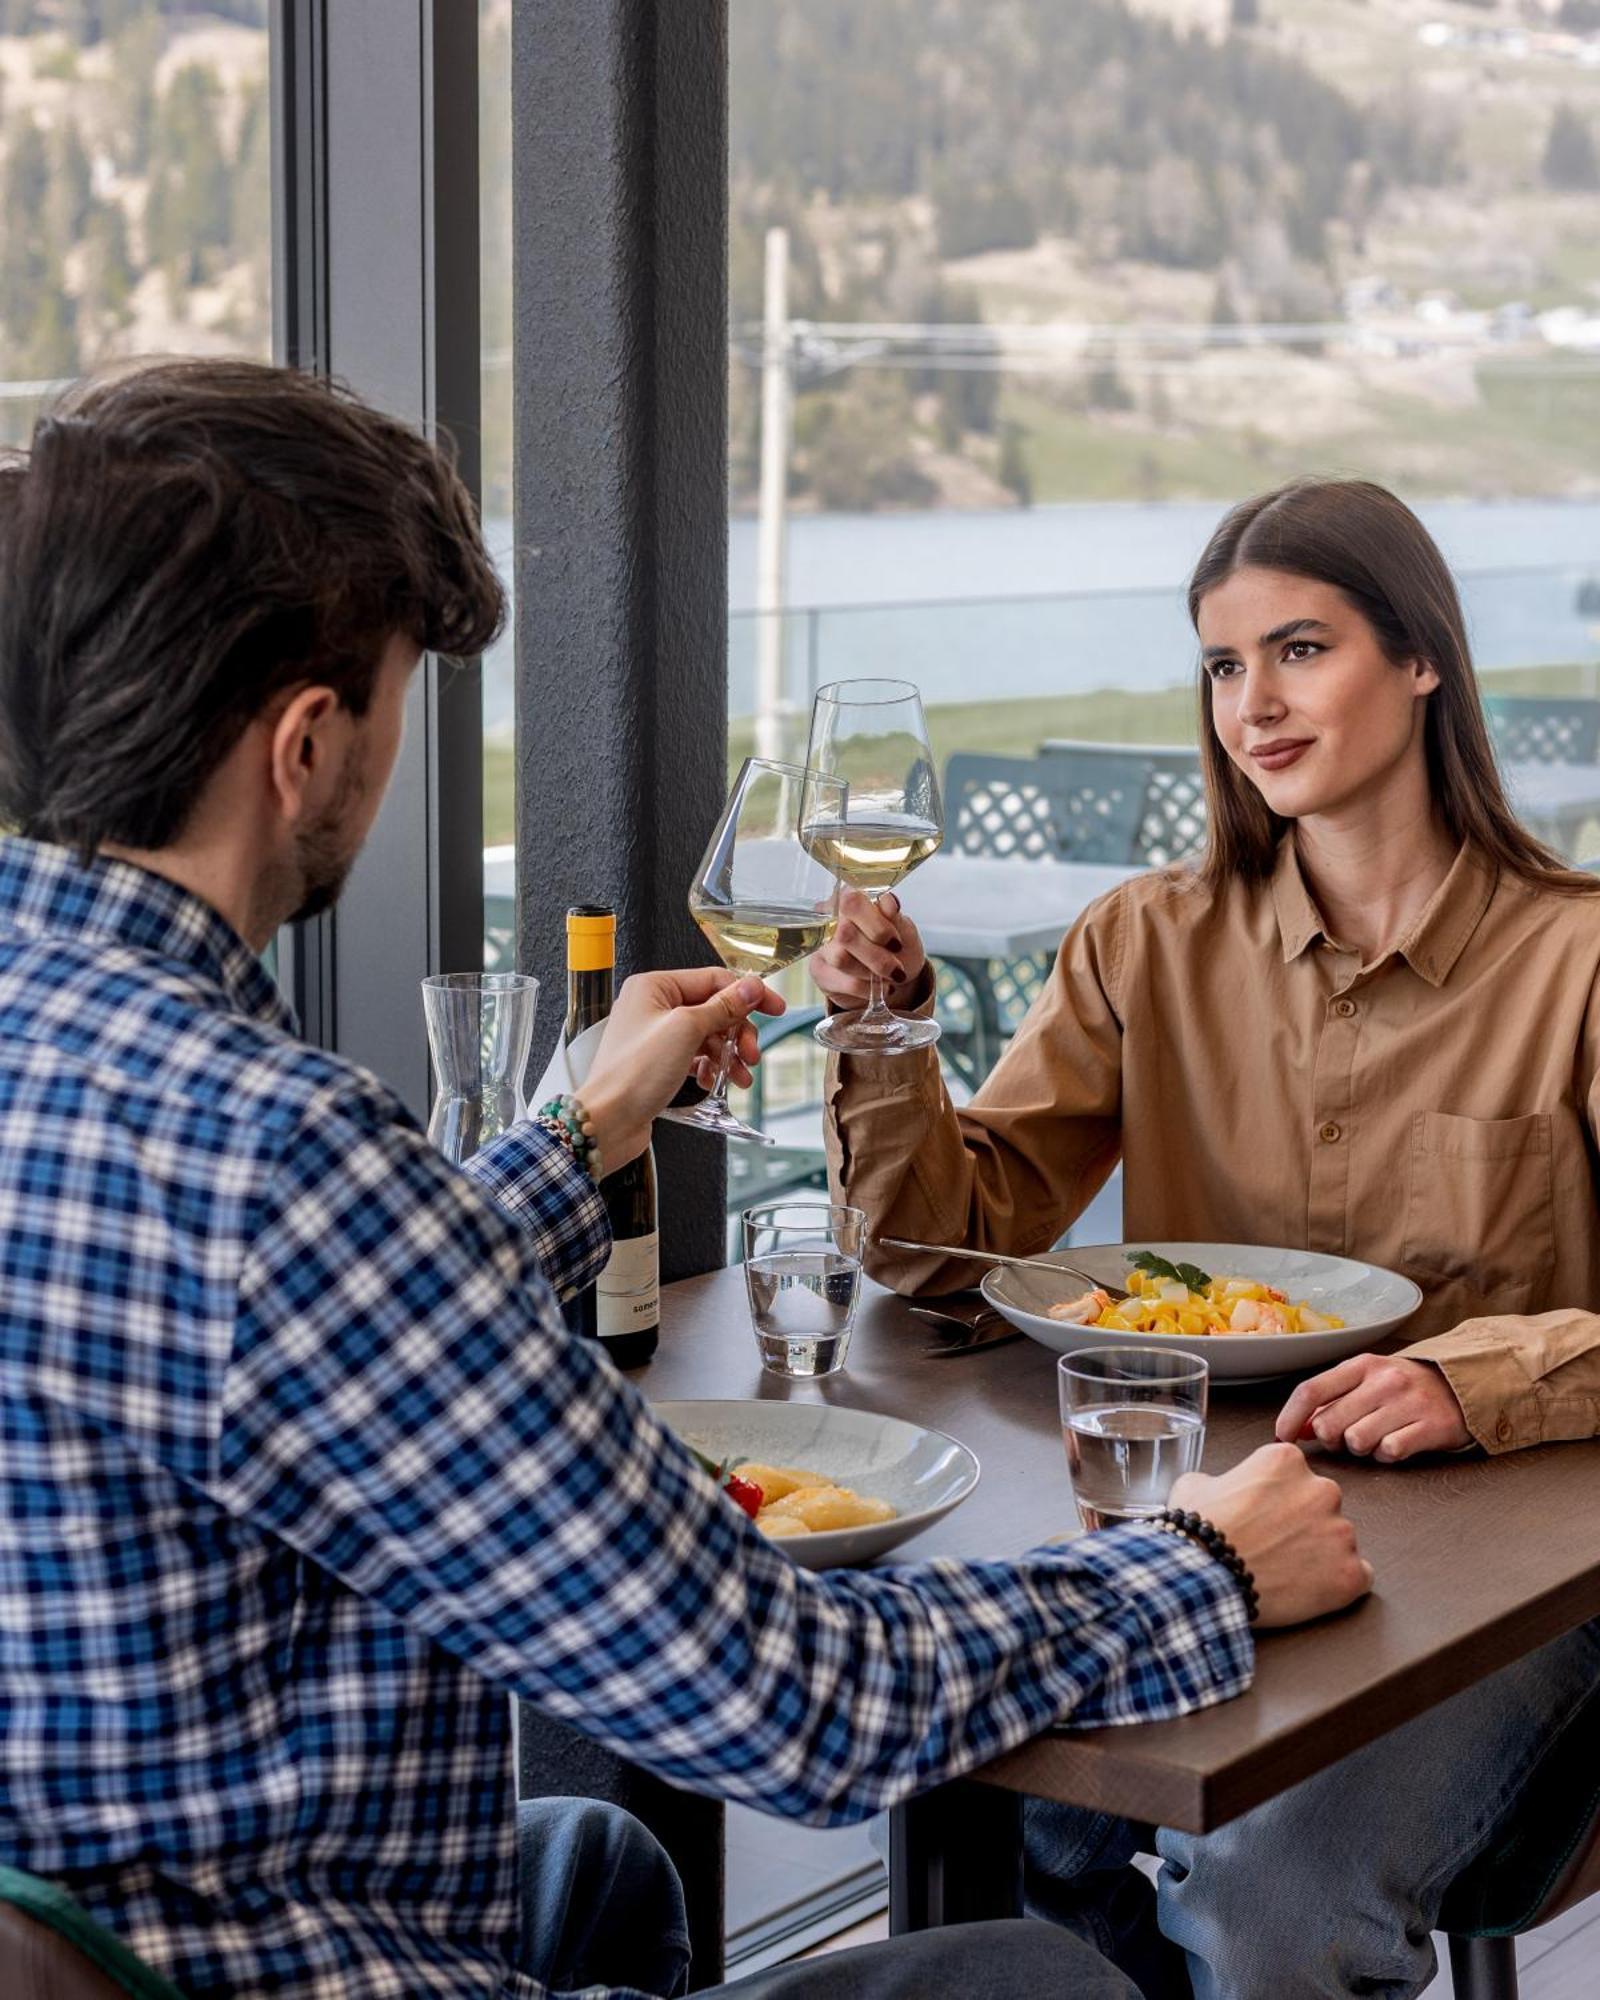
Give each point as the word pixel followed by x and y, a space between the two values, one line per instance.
pixel 302 1474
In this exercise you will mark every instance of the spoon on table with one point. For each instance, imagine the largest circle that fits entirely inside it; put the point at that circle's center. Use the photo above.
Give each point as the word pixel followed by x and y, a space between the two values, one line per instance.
pixel 994 1257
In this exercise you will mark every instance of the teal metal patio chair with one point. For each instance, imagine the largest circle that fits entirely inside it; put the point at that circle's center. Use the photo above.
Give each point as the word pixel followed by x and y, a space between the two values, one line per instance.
pixel 1547 1863
pixel 796 1168
pixel 1543 729
pixel 1089 802
pixel 1172 818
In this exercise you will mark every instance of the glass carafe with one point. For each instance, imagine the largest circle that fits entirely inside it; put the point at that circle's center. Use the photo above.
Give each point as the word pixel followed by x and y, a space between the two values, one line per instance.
pixel 480 1029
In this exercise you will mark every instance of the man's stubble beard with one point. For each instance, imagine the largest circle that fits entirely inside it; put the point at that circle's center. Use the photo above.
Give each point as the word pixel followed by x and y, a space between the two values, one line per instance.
pixel 326 852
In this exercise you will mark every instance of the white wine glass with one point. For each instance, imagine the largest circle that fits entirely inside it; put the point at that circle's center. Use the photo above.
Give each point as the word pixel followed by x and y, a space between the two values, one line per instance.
pixel 762 899
pixel 873 735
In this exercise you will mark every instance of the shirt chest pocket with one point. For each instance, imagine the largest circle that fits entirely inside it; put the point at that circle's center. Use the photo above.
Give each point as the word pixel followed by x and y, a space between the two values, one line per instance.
pixel 1481 1207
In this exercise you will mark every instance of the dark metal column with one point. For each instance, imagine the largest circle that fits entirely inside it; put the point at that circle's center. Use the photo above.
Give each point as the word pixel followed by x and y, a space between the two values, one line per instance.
pixel 375 270
pixel 619 112
pixel 619 123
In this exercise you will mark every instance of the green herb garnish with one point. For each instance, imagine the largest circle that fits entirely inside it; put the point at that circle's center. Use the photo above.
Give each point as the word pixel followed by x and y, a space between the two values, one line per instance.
pixel 1158 1267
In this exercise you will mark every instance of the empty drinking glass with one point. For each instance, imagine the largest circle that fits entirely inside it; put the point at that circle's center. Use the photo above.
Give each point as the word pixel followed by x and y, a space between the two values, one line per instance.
pixel 1133 1421
pixel 480 1028
pixel 802 1269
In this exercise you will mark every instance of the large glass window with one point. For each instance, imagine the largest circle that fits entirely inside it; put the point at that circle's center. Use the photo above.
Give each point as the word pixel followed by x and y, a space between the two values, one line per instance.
pixel 135 188
pixel 1023 297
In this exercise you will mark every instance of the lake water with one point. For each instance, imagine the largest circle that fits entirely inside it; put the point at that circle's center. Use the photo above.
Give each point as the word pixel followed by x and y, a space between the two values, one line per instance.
pixel 1091 596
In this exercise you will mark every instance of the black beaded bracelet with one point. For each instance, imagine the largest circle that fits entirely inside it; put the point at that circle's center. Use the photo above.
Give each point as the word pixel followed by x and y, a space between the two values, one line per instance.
pixel 1204 1534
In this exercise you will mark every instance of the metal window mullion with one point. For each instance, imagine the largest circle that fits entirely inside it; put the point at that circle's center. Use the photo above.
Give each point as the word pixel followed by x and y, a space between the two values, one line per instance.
pixel 375 127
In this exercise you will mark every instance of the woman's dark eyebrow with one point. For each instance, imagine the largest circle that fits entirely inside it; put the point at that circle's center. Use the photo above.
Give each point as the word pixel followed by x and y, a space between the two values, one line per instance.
pixel 1288 630
pixel 1291 627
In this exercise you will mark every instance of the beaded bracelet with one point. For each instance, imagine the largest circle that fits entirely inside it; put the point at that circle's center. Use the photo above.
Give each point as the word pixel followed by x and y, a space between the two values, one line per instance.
pixel 565 1119
pixel 1197 1529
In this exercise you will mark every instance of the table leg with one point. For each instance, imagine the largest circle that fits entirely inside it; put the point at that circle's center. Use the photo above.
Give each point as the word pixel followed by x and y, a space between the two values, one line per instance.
pixel 1483 1968
pixel 955 1857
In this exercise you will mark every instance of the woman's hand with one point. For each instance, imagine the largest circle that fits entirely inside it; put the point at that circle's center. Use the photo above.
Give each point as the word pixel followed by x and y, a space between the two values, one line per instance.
pixel 871 938
pixel 1376 1406
pixel 664 1027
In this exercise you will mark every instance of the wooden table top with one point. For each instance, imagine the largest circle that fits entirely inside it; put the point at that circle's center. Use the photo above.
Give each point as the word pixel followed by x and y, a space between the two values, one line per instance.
pixel 1478 1560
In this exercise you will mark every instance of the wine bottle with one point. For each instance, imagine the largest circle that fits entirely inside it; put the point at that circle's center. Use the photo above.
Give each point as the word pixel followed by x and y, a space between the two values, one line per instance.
pixel 622 1309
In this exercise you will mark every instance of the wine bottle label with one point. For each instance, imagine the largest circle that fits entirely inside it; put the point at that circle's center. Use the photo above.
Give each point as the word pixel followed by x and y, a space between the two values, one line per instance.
pixel 627 1295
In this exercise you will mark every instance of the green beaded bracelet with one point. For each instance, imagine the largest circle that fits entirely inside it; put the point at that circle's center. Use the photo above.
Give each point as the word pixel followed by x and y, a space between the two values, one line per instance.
pixel 565 1119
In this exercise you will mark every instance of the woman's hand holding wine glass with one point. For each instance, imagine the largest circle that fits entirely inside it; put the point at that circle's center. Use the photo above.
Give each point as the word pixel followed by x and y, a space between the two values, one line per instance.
pixel 875 940
pixel 873 735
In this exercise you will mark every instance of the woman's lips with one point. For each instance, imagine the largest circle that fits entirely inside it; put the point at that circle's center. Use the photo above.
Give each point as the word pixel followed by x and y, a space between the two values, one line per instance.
pixel 1279 756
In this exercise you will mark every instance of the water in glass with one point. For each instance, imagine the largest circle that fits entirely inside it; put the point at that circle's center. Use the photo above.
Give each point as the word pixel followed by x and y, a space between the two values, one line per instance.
pixel 802 1274
pixel 1124 1460
pixel 1133 1421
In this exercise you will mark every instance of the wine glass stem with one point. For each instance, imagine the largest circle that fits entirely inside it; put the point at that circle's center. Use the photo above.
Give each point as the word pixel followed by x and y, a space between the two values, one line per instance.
pixel 719 1088
pixel 877 1010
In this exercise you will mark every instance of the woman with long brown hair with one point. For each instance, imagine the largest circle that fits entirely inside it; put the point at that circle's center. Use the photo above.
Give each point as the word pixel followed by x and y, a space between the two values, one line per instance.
pixel 1366 1022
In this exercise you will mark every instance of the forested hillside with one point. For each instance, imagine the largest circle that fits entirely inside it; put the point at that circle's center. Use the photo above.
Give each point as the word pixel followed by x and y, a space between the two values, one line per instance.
pixel 1123 166
pixel 1027 116
pixel 134 179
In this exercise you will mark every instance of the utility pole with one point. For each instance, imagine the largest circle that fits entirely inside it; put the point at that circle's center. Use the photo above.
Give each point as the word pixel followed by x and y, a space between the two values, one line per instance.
pixel 772 528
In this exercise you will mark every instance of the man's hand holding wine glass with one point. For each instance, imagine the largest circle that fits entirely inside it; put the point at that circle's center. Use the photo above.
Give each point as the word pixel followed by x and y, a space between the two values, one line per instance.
pixel 872 938
pixel 664 1027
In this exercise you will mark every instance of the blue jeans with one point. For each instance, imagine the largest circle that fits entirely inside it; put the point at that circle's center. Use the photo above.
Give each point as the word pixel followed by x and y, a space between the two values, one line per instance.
pixel 601 1903
pixel 602 1906
pixel 1332 1889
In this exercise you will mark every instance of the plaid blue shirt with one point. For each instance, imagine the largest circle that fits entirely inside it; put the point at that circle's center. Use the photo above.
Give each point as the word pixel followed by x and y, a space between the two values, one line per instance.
pixel 301 1476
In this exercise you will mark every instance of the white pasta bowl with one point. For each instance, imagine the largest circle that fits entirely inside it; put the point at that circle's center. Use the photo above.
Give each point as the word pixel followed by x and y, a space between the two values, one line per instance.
pixel 921 1473
pixel 1371 1301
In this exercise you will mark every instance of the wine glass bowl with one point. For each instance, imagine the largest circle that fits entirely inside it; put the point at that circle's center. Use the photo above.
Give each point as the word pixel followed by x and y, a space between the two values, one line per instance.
pixel 873 735
pixel 762 898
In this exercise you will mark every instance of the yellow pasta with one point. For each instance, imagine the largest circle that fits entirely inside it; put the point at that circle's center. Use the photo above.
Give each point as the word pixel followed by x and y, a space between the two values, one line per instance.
pixel 820 1508
pixel 775 1480
pixel 777 1525
pixel 805 1503
pixel 1168 1305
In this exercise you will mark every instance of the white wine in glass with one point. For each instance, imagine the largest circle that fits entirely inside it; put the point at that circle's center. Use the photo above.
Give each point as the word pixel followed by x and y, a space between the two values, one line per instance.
pixel 873 735
pixel 873 854
pixel 748 938
pixel 761 898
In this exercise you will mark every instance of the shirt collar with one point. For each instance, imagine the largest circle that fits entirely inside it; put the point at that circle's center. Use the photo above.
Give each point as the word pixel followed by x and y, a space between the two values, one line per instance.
pixel 47 891
pixel 1433 943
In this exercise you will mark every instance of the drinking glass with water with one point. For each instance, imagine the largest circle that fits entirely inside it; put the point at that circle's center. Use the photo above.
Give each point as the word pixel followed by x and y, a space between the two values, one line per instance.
pixel 1133 1421
pixel 802 1270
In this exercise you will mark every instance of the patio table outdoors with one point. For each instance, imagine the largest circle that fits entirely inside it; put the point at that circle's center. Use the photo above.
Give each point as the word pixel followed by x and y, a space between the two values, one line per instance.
pixel 1478 1562
pixel 974 907
pixel 1555 800
pixel 977 910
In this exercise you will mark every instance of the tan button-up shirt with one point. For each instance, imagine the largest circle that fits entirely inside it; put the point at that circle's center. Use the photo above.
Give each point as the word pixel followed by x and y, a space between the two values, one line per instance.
pixel 1437 1112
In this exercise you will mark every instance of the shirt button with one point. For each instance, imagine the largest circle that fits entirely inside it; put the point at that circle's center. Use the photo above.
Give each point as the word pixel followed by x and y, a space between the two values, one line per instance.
pixel 1330 1134
pixel 1344 1007
pixel 1502 1430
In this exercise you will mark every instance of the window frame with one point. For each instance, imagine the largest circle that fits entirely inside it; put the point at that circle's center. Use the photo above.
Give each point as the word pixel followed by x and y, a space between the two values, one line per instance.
pixel 375 281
